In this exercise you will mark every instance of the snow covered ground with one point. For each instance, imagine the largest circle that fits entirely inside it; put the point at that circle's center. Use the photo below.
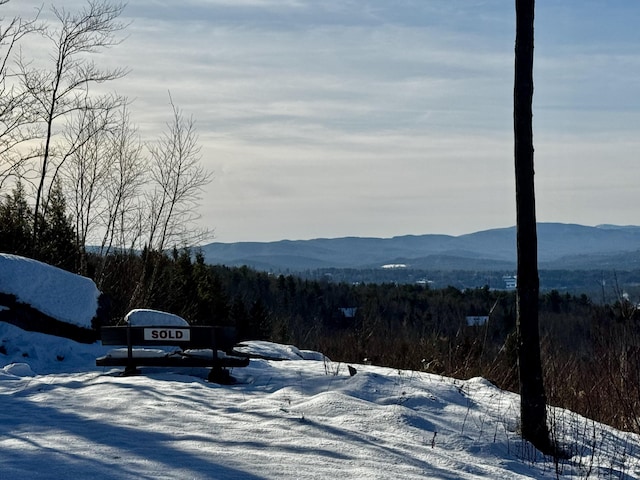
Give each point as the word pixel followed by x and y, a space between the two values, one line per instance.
pixel 301 417
pixel 61 417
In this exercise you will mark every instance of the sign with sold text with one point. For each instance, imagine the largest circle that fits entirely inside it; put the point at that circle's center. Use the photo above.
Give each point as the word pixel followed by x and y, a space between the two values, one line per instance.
pixel 162 333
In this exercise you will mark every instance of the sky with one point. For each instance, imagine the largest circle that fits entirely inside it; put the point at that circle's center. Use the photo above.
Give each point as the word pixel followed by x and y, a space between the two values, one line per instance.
pixel 381 118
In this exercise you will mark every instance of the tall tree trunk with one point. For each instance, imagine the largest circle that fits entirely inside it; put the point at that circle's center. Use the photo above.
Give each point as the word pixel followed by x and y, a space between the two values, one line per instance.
pixel 533 402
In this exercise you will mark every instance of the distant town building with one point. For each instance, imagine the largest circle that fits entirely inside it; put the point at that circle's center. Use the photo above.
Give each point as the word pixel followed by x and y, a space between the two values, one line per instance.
pixel 477 320
pixel 510 282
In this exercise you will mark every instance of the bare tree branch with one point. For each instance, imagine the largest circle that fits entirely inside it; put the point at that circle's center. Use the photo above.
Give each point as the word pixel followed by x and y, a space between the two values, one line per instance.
pixel 17 122
pixel 178 179
pixel 63 89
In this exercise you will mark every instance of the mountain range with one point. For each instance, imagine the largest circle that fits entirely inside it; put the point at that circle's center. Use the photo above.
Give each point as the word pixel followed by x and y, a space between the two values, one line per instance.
pixel 560 246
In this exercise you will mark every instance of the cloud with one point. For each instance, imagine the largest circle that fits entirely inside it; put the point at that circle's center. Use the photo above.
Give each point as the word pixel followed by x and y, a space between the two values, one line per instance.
pixel 359 117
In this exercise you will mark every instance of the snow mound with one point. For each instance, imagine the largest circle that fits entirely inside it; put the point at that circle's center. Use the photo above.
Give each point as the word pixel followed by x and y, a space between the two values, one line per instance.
pixel 45 353
pixel 147 317
pixel 55 292
pixel 275 351
pixel 16 370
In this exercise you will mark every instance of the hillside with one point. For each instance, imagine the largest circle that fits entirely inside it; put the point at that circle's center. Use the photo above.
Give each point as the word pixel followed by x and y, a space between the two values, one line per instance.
pixel 561 246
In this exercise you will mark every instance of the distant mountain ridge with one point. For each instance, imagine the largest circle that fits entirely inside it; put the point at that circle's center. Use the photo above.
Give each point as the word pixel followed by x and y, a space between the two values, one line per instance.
pixel 560 246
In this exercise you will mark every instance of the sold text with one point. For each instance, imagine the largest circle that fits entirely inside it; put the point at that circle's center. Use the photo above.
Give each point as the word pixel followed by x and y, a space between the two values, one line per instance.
pixel 180 334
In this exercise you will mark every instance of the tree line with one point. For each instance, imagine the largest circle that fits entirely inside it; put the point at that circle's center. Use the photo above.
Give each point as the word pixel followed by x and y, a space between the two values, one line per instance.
pixel 598 284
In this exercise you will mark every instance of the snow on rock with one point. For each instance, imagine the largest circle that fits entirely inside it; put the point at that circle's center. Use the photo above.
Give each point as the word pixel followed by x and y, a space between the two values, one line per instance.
pixel 147 317
pixel 55 292
pixel 273 351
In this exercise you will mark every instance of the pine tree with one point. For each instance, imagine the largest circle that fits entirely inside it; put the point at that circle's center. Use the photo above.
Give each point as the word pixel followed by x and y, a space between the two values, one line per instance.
pixel 16 220
pixel 56 239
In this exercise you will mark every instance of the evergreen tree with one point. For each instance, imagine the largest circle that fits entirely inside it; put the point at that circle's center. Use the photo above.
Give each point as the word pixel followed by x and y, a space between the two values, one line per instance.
pixel 56 240
pixel 213 303
pixel 16 220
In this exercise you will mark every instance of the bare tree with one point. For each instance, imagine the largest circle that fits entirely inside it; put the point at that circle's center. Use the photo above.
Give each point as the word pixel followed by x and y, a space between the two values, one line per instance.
pixel 127 167
pixel 63 89
pixel 533 404
pixel 17 119
pixel 85 172
pixel 103 179
pixel 177 178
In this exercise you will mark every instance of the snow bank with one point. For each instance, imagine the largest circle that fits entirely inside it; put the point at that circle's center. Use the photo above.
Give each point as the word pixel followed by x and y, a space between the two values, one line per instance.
pixel 55 292
pixel 45 353
pixel 274 351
